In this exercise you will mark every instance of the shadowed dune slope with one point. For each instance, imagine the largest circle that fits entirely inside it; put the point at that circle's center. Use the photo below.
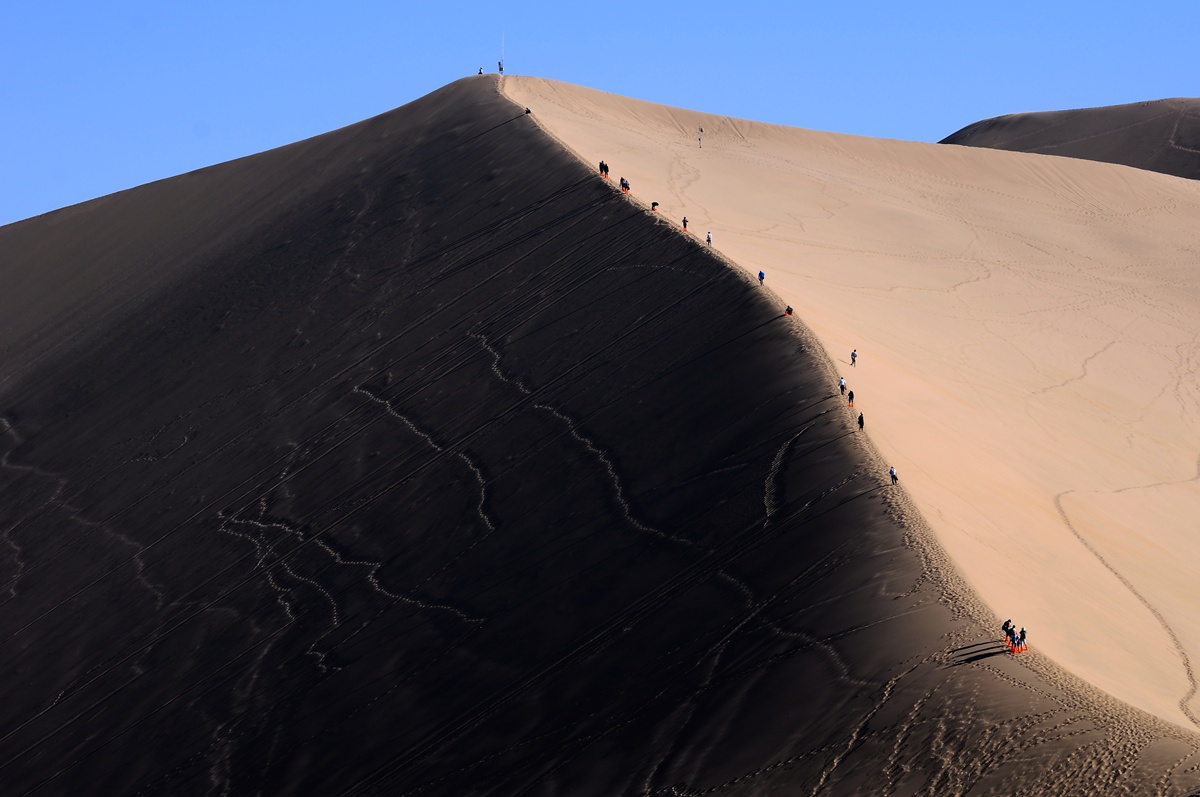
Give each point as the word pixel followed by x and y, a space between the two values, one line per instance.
pixel 415 459
pixel 1160 136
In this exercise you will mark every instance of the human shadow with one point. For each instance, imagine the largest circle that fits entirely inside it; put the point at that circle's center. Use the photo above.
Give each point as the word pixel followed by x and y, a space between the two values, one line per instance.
pixel 980 655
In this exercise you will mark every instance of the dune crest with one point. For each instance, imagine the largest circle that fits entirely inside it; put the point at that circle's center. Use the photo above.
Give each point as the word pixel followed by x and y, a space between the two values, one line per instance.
pixel 1026 330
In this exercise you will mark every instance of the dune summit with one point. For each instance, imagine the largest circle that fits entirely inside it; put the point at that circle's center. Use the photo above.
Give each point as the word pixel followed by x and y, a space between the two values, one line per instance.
pixel 1160 136
pixel 414 458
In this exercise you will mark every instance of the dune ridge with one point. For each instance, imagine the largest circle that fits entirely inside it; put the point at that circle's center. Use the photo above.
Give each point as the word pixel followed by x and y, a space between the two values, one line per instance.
pixel 1025 331
pixel 429 463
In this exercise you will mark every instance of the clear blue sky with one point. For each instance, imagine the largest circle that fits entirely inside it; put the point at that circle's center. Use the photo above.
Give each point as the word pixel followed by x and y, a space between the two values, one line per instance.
pixel 99 97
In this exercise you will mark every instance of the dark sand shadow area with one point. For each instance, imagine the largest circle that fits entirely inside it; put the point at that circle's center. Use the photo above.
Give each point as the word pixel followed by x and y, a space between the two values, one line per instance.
pixel 414 459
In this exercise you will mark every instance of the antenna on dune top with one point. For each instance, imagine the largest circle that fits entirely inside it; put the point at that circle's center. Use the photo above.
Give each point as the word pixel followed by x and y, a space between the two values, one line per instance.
pixel 501 62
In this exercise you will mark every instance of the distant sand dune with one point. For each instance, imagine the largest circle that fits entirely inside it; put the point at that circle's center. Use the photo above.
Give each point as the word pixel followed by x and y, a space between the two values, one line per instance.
pixel 1027 331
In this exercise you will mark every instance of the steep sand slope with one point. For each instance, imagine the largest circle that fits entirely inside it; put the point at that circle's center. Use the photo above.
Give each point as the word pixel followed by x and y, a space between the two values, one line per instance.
pixel 414 459
pixel 1027 331
pixel 1161 136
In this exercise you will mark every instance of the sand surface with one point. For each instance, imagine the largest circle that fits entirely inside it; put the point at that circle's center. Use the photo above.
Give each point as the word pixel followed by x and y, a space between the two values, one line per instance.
pixel 1028 351
pixel 415 459
pixel 1162 136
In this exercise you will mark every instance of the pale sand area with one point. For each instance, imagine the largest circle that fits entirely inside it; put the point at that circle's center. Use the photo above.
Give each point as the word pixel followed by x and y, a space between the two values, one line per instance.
pixel 1028 330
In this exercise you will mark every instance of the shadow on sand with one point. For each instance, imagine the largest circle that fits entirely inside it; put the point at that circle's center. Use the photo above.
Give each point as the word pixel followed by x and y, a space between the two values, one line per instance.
pixel 978 651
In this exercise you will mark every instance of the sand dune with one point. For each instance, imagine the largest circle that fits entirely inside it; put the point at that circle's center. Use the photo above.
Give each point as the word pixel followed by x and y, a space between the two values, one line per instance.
pixel 1028 350
pixel 1161 136
pixel 415 459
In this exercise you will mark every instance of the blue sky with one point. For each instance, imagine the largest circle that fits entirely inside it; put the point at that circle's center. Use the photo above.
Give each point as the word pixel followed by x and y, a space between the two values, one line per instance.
pixel 99 97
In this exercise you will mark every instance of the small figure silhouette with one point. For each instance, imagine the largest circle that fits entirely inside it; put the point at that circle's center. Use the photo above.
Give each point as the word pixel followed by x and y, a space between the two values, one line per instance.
pixel 842 385
pixel 892 473
pixel 710 239
pixel 860 422
pixel 850 396
pixel 853 358
pixel 762 275
pixel 685 223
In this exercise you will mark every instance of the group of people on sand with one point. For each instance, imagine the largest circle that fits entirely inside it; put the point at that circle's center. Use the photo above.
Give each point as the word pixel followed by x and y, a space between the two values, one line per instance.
pixel 626 189
pixel 849 394
pixel 622 182
pixel 1016 640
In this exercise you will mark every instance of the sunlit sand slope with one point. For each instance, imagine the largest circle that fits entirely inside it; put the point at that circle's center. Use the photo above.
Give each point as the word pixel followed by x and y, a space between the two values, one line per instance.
pixel 1028 338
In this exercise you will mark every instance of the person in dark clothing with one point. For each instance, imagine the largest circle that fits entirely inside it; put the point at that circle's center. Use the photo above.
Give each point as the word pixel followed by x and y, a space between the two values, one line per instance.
pixel 654 206
pixel 1008 624
pixel 860 422
pixel 527 112
pixel 788 310
pixel 685 223
pixel 481 70
pixel 850 396
pixel 762 275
